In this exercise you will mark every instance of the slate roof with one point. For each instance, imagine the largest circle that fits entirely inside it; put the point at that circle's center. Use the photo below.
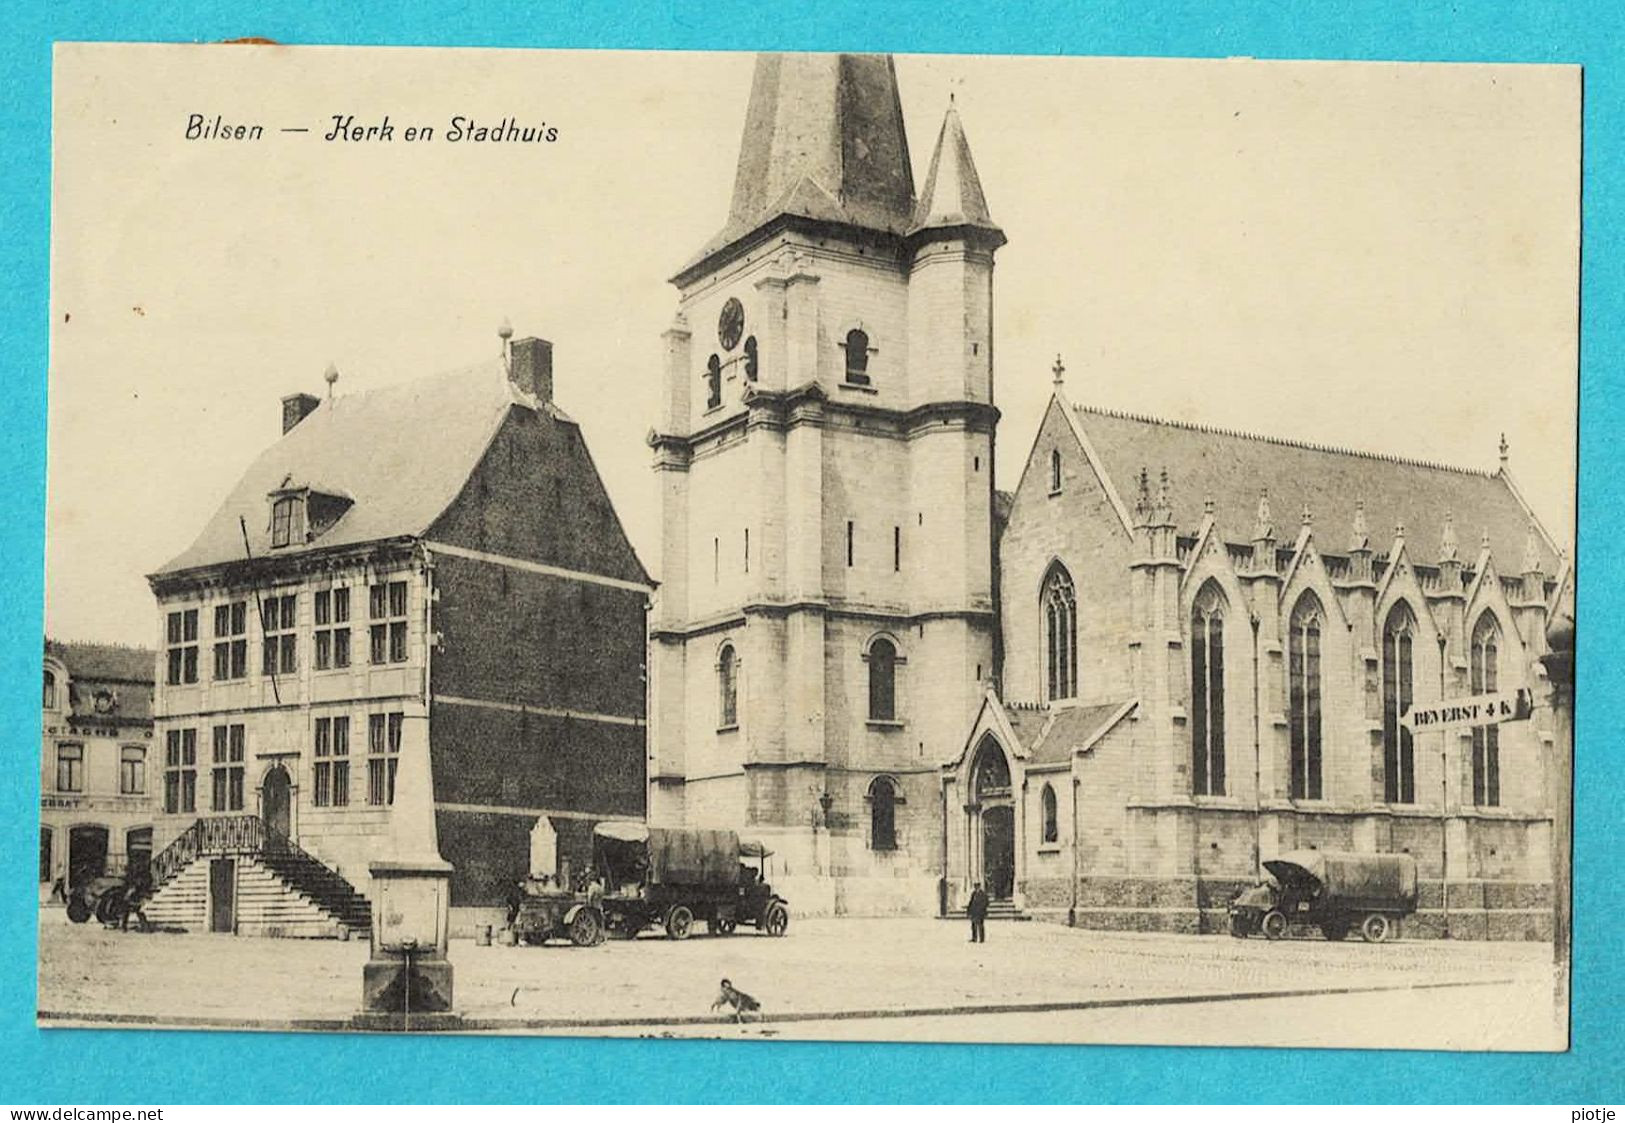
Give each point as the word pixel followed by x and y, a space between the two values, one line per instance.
pixel 126 672
pixel 401 453
pixel 823 139
pixel 953 191
pixel 1050 735
pixel 1231 468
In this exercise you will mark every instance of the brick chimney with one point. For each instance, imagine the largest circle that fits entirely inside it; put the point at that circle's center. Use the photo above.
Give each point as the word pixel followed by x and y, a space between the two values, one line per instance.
pixel 530 367
pixel 297 407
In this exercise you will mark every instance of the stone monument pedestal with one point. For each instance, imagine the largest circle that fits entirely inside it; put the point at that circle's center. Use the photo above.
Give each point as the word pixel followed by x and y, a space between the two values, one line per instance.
pixel 408 975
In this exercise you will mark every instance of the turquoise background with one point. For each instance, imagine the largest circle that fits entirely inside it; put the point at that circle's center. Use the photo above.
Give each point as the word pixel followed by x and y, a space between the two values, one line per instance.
pixel 84 1066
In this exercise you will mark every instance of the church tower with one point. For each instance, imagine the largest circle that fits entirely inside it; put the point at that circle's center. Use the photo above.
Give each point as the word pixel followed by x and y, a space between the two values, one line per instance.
pixel 825 456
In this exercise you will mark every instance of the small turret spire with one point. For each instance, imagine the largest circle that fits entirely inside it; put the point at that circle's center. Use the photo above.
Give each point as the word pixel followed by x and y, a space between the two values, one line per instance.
pixel 1484 539
pixel 953 191
pixel 1307 518
pixel 1142 500
pixel 1264 526
pixel 1207 504
pixel 1361 537
pixel 1531 549
pixel 1448 551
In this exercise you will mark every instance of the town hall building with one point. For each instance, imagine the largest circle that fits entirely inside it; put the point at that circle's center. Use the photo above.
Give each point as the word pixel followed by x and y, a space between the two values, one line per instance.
pixel 1169 654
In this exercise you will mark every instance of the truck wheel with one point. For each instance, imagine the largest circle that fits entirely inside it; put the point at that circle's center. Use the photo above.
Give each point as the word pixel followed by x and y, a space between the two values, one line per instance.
pixel 777 920
pixel 1239 927
pixel 586 929
pixel 723 926
pixel 679 922
pixel 1376 928
pixel 1273 924
pixel 1334 929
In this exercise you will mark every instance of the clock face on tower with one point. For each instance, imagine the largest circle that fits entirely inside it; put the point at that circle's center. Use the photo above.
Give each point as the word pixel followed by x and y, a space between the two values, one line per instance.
pixel 731 324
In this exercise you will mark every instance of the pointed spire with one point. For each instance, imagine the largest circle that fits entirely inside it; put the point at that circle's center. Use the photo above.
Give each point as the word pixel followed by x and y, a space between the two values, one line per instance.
pixel 823 140
pixel 1307 518
pixel 1448 551
pixel 1360 539
pixel 1531 549
pixel 1165 505
pixel 1207 505
pixel 1059 371
pixel 1142 500
pixel 1505 448
pixel 953 191
pixel 1484 540
pixel 1264 526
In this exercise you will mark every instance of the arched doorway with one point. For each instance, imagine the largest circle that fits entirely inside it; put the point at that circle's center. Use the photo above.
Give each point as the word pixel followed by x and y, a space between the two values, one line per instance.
pixel 276 801
pixel 138 849
pixel 995 813
pixel 87 854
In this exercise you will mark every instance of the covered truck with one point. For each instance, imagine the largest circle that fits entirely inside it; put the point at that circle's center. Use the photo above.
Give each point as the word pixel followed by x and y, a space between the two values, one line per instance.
pixel 1334 890
pixel 671 877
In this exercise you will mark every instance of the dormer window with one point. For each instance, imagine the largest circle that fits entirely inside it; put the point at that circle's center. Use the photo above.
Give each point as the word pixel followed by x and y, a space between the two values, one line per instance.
pixel 857 357
pixel 302 514
pixel 287 520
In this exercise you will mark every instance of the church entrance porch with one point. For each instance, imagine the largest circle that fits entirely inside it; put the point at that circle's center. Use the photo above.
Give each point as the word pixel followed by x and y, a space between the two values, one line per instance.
pixel 999 851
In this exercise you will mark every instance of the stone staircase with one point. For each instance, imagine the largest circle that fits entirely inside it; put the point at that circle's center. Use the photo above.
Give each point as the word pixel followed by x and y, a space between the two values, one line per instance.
pixel 996 910
pixel 280 889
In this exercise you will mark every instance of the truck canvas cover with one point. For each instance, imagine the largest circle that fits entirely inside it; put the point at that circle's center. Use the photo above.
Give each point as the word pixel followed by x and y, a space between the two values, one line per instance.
pixel 680 856
pixel 1351 880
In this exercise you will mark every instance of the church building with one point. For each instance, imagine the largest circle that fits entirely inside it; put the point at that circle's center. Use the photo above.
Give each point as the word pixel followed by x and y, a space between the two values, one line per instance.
pixel 1171 653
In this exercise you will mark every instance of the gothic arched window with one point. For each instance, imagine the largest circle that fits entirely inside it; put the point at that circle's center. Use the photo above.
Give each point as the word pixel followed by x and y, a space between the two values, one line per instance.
pixel 883 801
pixel 857 357
pixel 1398 676
pixel 752 365
pixel 1052 828
pixel 1207 692
pixel 1055 471
pixel 727 687
pixel 713 382
pixel 1060 608
pixel 50 691
pixel 1303 696
pixel 882 681
pixel 1485 671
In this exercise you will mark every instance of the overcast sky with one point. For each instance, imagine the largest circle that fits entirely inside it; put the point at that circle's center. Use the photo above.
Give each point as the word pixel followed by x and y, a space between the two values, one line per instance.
pixel 1376 256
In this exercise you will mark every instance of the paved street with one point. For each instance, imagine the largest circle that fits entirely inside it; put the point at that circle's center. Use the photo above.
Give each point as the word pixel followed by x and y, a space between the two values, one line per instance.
pixel 1030 982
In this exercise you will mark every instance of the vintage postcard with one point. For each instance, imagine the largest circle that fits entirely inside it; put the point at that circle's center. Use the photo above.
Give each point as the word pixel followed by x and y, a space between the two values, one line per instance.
pixel 810 546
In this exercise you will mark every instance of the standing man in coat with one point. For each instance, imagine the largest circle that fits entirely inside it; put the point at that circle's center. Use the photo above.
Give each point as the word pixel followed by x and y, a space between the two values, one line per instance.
pixel 978 914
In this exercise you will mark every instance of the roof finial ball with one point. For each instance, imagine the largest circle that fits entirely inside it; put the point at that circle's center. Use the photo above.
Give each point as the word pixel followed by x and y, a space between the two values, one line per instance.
pixel 331 374
pixel 505 333
pixel 1059 371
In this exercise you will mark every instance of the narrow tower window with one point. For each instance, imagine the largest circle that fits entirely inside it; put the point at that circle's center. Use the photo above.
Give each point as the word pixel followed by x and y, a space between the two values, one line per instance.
pixel 857 357
pixel 713 382
pixel 727 688
pixel 882 681
pixel 849 543
pixel 896 549
pixel 1055 471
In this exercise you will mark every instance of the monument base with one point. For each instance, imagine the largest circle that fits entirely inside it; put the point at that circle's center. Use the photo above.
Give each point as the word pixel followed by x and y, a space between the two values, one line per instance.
pixel 392 983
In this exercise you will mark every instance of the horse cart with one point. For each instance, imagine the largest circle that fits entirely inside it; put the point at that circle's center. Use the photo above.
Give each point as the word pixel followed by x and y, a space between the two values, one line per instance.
pixel 1335 891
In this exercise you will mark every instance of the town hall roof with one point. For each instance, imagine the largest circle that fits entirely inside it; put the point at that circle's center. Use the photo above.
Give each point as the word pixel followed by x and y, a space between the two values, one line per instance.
pixel 400 454
pixel 1231 468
